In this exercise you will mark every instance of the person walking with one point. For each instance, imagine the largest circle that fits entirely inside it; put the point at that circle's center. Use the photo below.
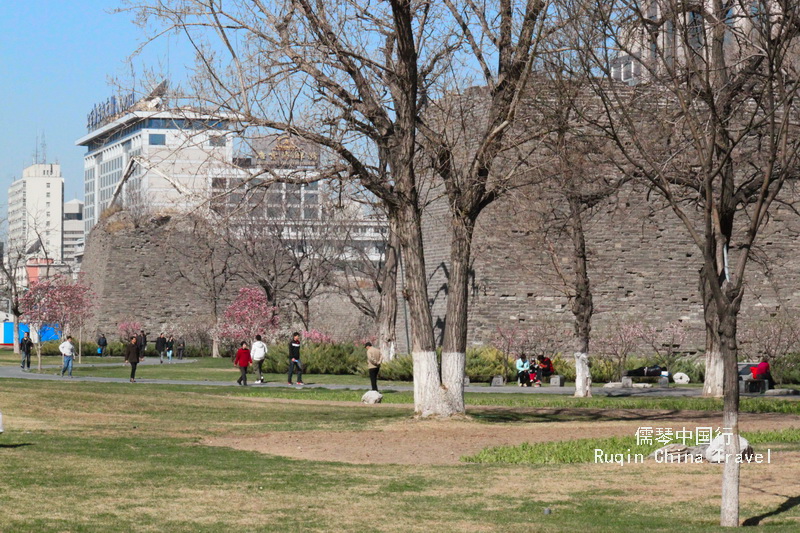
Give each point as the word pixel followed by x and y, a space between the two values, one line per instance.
pixel 141 342
pixel 242 360
pixel 374 358
pixel 170 348
pixel 294 359
pixel 101 345
pixel 259 353
pixel 25 347
pixel 132 352
pixel 161 347
pixel 181 348
pixel 67 350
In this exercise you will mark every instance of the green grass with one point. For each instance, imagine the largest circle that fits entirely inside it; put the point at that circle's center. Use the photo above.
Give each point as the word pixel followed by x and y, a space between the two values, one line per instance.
pixel 106 457
pixel 583 450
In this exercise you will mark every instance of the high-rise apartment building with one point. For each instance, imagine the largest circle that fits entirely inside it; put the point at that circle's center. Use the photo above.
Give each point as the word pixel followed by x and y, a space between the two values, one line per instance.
pixel 35 213
pixel 73 234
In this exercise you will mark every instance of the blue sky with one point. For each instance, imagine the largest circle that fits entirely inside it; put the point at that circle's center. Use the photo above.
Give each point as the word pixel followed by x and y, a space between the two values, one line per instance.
pixel 56 60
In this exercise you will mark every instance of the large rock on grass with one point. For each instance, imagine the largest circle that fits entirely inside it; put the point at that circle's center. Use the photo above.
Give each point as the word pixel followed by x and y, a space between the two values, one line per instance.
pixel 372 396
pixel 716 450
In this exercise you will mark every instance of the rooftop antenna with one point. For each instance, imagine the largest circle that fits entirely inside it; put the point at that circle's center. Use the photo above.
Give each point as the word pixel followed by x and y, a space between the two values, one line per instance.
pixel 36 150
pixel 44 149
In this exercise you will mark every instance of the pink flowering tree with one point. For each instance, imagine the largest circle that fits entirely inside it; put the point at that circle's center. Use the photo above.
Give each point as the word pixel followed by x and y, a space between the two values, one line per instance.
pixel 250 314
pixel 127 329
pixel 317 337
pixel 59 303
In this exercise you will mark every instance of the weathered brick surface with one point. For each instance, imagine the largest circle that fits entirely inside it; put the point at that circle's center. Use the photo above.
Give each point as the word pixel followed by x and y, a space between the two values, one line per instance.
pixel 135 273
pixel 643 268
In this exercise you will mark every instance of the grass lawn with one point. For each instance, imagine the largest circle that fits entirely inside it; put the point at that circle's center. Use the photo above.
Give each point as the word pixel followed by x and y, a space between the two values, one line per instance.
pixel 80 456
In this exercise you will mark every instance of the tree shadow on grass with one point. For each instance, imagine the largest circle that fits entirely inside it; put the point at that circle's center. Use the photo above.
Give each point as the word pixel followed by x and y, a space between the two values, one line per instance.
pixel 19 445
pixel 502 416
pixel 790 503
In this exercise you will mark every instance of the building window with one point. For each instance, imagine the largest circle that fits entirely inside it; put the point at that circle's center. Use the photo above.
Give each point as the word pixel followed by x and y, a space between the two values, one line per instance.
pixel 48 194
pixel 158 139
pixel 216 140
pixel 48 184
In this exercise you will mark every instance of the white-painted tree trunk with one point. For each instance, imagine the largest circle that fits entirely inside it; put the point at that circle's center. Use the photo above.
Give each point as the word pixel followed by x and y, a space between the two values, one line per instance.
pixel 583 378
pixel 215 346
pixel 429 397
pixel 712 385
pixel 454 365
pixel 388 350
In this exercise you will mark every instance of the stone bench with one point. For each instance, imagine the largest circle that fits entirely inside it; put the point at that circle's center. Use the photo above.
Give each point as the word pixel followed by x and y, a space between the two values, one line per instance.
pixel 557 380
pixel 753 385
pixel 627 381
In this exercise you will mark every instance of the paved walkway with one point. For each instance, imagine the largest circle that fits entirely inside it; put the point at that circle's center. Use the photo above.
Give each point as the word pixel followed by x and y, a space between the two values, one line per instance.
pixel 16 372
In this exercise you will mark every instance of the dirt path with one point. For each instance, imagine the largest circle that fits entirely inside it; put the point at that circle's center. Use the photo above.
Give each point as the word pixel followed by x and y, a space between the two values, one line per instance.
pixel 444 442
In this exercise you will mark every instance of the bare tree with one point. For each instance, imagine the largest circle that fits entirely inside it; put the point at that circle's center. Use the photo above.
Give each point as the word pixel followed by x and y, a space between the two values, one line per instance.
pixel 467 134
pixel 210 266
pixel 710 125
pixel 351 76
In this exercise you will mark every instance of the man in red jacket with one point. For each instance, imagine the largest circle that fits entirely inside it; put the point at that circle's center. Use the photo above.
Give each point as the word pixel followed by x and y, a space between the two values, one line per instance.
pixel 242 360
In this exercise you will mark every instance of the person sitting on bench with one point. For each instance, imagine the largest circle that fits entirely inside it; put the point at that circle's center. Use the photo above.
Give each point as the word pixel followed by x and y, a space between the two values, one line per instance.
pixel 654 371
pixel 544 369
pixel 761 371
pixel 523 371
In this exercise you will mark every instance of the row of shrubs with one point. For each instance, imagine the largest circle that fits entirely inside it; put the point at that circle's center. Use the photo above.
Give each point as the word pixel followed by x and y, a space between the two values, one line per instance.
pixel 482 363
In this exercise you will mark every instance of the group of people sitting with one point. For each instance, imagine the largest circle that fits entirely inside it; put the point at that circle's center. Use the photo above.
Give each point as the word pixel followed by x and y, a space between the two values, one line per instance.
pixel 528 373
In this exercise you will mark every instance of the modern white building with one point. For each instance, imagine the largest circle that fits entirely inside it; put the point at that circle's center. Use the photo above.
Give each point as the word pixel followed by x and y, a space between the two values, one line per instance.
pixel 35 213
pixel 151 160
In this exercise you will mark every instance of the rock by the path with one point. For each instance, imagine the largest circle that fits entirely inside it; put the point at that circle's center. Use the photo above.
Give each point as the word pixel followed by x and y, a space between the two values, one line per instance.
pixel 642 386
pixel 613 385
pixel 781 392
pixel 716 450
pixel 681 379
pixel 371 397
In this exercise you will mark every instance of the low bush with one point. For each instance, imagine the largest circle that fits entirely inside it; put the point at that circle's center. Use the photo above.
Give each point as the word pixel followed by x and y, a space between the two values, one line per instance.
pixel 785 369
pixel 319 358
pixel 399 369
pixel 51 348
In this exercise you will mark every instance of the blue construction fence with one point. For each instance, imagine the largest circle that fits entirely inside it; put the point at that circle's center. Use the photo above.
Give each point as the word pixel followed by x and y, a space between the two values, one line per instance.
pixel 47 333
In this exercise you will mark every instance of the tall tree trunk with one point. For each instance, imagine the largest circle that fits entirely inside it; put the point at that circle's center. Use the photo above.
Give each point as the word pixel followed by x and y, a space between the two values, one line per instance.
pixel 583 304
pixel 712 384
pixel 428 393
pixel 729 509
pixel 454 359
pixel 387 310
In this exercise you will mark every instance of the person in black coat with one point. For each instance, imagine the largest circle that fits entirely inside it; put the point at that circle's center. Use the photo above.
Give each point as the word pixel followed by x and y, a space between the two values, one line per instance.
pixel 141 342
pixel 132 356
pixel 161 347
pixel 101 345
pixel 25 347
pixel 294 359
